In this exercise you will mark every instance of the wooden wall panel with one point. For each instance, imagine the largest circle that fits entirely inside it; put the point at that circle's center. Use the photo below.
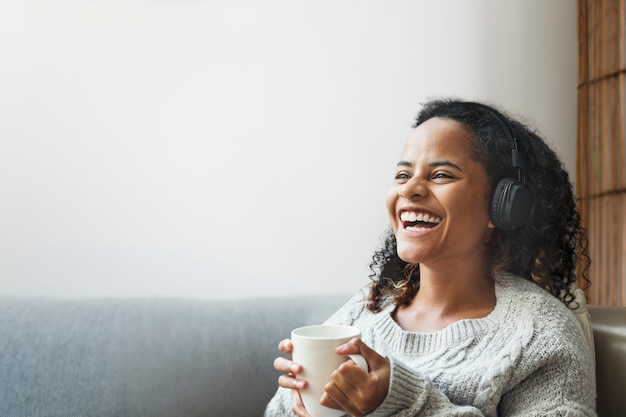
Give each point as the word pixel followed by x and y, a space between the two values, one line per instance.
pixel 601 145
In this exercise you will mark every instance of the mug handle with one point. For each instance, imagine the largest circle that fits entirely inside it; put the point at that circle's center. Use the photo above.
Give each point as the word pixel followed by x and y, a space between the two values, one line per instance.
pixel 360 361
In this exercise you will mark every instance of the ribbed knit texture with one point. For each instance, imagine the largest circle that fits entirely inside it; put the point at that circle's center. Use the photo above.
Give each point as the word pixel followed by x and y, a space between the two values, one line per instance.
pixel 528 357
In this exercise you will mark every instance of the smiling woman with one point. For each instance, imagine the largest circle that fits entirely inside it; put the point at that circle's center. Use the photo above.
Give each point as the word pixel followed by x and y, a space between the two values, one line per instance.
pixel 486 141
pixel 442 180
pixel 470 309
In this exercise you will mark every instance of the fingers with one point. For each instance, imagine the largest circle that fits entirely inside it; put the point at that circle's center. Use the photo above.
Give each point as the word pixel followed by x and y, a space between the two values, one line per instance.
pixel 291 382
pixel 327 401
pixel 285 346
pixel 282 364
pixel 345 393
pixel 292 369
pixel 347 388
pixel 354 390
pixel 356 345
pixel 288 366
pixel 297 406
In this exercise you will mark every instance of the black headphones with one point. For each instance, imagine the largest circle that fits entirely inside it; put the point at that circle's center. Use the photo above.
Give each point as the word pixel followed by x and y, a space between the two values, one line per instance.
pixel 512 200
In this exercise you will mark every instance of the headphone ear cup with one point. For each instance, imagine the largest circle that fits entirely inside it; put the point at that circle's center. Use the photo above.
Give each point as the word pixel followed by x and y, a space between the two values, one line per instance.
pixel 510 204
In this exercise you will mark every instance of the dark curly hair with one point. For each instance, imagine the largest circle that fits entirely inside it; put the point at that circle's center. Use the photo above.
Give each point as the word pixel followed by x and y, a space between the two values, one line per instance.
pixel 545 251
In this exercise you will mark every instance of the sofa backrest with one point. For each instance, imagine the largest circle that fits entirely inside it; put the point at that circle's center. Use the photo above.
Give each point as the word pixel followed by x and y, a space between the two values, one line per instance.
pixel 169 357
pixel 146 357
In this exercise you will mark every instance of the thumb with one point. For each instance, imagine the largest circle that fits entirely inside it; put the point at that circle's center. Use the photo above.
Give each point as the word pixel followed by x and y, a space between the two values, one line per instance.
pixel 356 345
pixel 377 383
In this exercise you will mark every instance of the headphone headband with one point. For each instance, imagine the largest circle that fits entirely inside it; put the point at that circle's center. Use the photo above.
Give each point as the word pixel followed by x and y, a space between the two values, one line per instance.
pixel 512 201
pixel 517 161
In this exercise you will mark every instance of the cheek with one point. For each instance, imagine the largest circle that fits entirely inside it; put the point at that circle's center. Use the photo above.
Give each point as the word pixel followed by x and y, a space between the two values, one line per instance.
pixel 479 213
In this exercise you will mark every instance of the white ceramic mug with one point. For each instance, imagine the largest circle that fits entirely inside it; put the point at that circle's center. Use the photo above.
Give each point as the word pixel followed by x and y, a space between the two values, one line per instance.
pixel 314 348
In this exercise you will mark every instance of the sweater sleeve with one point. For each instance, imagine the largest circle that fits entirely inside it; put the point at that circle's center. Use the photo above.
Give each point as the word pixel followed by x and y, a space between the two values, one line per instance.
pixel 280 404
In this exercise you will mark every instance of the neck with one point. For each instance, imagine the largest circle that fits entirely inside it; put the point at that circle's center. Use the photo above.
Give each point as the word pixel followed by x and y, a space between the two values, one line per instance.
pixel 455 287
pixel 448 294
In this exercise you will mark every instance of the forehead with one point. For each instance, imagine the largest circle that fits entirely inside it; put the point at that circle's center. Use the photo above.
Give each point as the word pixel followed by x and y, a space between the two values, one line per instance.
pixel 439 136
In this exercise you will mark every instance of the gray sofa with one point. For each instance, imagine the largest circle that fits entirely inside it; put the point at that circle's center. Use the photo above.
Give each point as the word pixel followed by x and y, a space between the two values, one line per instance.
pixel 183 357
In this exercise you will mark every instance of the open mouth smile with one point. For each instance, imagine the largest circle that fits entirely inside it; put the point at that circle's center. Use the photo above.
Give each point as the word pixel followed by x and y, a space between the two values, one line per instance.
pixel 418 221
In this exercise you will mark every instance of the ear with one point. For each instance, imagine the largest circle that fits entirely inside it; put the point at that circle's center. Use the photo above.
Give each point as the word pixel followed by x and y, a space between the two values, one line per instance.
pixel 490 232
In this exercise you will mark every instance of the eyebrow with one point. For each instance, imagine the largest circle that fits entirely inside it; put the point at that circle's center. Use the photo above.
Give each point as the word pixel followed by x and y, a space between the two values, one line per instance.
pixel 432 164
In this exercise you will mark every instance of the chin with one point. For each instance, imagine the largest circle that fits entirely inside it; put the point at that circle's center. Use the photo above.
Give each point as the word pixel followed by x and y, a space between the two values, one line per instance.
pixel 410 256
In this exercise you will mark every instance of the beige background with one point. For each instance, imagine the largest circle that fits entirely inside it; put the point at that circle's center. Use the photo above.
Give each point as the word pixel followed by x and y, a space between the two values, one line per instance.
pixel 234 148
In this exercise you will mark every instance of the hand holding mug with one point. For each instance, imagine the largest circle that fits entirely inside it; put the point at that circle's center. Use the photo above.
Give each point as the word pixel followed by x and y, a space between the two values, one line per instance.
pixel 351 390
pixel 289 380
pixel 369 390
pixel 314 350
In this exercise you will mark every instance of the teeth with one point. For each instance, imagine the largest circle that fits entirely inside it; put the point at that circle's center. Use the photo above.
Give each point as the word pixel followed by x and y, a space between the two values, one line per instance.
pixel 416 229
pixel 412 216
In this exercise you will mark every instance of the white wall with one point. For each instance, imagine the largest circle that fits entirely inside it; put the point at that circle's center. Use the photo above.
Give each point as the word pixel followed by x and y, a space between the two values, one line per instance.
pixel 235 148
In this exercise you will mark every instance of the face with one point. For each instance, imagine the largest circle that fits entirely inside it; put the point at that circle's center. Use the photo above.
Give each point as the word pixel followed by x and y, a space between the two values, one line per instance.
pixel 439 202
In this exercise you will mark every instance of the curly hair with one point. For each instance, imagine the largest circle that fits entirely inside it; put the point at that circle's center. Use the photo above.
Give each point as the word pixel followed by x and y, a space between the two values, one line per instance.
pixel 545 251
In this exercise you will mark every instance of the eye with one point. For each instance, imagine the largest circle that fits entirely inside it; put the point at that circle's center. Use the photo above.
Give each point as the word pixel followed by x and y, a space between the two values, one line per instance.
pixel 402 177
pixel 442 176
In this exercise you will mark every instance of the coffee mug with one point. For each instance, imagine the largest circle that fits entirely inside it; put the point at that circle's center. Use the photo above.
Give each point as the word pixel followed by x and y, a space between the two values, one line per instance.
pixel 314 348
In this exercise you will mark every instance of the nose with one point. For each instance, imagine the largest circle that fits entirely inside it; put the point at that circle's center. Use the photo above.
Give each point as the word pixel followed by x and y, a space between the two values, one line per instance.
pixel 413 188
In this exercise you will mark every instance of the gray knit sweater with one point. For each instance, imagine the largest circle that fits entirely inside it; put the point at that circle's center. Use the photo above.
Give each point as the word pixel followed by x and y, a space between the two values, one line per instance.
pixel 528 357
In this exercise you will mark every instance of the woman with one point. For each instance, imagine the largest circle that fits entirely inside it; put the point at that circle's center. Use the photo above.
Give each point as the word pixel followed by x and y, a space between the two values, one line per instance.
pixel 469 309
